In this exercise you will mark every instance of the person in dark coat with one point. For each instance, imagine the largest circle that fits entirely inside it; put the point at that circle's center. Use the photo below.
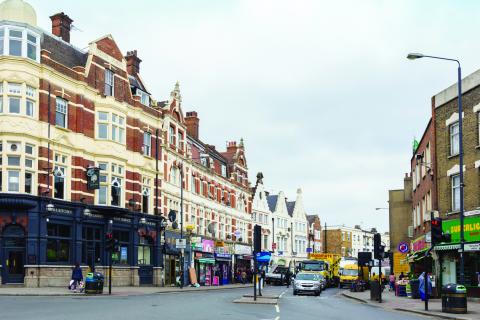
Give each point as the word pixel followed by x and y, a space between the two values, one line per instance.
pixel 77 276
pixel 288 277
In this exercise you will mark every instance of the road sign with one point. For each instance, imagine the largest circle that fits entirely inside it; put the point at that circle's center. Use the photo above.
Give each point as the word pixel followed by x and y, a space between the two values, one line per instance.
pixel 403 247
pixel 309 250
pixel 181 243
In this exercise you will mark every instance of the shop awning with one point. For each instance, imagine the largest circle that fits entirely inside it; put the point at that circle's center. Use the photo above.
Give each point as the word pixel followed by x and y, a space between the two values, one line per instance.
pixel 416 256
pixel 447 247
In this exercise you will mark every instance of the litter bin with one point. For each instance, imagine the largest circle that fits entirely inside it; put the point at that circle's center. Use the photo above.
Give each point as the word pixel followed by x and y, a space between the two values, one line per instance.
pixel 374 290
pixel 94 283
pixel 414 288
pixel 454 298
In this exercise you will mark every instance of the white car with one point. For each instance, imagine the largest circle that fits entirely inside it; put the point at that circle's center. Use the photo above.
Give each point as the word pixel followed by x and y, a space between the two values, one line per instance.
pixel 307 283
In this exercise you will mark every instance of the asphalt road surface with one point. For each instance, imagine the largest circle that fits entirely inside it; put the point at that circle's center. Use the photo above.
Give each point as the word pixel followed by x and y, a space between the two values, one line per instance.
pixel 210 305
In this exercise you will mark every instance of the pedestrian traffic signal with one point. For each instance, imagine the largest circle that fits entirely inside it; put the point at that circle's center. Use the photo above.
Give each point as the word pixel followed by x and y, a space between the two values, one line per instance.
pixel 377 246
pixel 109 241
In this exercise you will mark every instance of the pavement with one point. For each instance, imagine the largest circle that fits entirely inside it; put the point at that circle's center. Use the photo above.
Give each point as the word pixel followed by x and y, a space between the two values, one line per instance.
pixel 416 306
pixel 117 291
pixel 195 305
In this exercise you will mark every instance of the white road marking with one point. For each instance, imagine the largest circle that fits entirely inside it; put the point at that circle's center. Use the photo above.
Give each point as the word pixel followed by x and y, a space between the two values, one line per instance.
pixel 277 308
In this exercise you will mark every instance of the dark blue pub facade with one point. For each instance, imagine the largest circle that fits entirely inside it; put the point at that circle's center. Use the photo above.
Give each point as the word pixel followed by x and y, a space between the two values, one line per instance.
pixel 42 238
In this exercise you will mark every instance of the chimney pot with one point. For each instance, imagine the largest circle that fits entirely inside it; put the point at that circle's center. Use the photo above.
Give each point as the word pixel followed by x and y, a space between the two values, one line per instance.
pixel 61 25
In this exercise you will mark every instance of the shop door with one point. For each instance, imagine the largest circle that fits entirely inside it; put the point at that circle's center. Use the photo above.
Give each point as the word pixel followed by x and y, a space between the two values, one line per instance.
pixel 14 254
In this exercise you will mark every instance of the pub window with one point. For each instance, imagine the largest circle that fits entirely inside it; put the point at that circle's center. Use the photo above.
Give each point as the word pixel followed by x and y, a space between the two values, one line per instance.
pixel 92 245
pixel 146 195
pixel 13 180
pixel 116 191
pixel 28 182
pixel 123 237
pixel 58 243
pixel 144 251
pixel 59 176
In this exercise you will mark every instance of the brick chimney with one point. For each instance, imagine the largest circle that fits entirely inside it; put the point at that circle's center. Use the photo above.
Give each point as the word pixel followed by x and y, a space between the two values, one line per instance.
pixel 192 123
pixel 61 25
pixel 232 146
pixel 133 62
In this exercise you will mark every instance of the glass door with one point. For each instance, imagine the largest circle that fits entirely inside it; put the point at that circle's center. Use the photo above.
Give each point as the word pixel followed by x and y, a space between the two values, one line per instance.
pixel 14 254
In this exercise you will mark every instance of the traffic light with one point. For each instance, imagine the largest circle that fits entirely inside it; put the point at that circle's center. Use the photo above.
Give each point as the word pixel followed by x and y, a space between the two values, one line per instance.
pixel 109 241
pixel 436 227
pixel 377 246
pixel 437 234
pixel 257 238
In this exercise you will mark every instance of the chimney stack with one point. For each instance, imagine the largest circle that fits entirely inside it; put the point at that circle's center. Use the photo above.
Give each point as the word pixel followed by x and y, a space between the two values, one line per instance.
pixel 133 62
pixel 192 122
pixel 61 25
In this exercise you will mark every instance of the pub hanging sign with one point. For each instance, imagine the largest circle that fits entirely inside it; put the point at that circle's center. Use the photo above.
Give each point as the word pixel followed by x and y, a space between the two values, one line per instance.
pixel 93 178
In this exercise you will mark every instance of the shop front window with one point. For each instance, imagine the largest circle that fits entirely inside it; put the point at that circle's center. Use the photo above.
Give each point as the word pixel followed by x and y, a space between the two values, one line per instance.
pixel 121 256
pixel 92 245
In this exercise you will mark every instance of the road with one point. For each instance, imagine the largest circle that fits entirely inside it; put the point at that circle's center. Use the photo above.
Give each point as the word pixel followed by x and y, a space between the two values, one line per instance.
pixel 194 305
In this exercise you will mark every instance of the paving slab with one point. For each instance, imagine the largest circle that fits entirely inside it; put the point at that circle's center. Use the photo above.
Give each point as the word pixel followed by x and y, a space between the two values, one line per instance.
pixel 404 304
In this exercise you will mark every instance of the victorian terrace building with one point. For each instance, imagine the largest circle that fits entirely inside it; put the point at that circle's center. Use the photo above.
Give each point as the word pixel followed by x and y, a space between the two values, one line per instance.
pixel 85 149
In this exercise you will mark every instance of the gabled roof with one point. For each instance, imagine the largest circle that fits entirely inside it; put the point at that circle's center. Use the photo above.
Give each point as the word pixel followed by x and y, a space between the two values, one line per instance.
pixel 311 218
pixel 272 202
pixel 137 83
pixel 290 207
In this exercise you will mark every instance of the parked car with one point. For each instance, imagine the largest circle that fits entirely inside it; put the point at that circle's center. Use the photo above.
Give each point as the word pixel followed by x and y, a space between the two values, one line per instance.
pixel 307 283
pixel 277 275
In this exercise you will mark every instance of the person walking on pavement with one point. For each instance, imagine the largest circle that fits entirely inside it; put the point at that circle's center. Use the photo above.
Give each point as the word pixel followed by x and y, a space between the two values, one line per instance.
pixel 391 280
pixel 401 276
pixel 77 276
pixel 244 276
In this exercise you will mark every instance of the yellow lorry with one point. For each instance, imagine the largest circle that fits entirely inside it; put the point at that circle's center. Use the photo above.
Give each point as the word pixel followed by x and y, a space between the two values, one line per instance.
pixel 348 275
pixel 326 264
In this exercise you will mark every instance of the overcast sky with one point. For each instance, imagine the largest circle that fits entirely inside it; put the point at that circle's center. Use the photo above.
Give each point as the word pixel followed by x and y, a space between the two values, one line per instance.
pixel 320 91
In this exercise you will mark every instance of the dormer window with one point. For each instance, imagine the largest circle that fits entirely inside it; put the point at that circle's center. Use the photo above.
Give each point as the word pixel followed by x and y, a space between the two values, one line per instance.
pixel 144 97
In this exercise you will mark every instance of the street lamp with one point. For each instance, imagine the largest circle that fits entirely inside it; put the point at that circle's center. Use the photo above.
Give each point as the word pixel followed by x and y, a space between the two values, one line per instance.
pixel 413 56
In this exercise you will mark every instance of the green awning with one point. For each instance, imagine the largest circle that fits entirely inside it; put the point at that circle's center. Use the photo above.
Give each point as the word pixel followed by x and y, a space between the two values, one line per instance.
pixel 447 247
pixel 207 260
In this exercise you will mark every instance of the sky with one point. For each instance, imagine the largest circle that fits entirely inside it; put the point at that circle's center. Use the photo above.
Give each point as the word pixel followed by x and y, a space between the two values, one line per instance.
pixel 320 91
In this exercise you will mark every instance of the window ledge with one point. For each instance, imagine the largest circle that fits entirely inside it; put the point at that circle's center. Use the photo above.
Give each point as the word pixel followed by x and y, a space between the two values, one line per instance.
pixel 62 128
pixel 453 156
pixel 477 147
pixel 453 213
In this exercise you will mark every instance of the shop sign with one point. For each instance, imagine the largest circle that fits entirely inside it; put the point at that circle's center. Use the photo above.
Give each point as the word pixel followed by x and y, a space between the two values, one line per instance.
pixel 400 263
pixel 419 244
pixel 219 243
pixel 196 243
pixel 229 248
pixel 223 255
pixel 61 210
pixel 207 246
pixel 471 213
pixel 471 229
pixel 243 249
pixel 180 243
pixel 472 246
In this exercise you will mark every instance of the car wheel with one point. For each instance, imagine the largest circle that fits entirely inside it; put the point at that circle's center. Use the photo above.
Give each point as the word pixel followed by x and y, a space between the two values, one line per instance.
pixel 295 292
pixel 317 293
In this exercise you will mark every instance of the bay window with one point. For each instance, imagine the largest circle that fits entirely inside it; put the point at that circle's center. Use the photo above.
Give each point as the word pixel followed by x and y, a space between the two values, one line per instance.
pixel 19 42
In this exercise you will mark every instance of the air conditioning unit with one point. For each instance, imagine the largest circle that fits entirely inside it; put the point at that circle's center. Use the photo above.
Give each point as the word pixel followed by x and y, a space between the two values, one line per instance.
pixel 410 231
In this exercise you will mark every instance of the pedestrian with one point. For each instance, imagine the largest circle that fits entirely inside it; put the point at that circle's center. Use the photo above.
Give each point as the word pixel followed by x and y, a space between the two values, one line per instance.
pixel 401 276
pixel 425 294
pixel 244 276
pixel 288 276
pixel 391 280
pixel 77 276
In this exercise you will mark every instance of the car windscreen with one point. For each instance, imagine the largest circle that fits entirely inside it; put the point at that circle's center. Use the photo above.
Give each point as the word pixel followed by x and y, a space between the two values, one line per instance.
pixel 313 267
pixel 307 276
pixel 350 272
